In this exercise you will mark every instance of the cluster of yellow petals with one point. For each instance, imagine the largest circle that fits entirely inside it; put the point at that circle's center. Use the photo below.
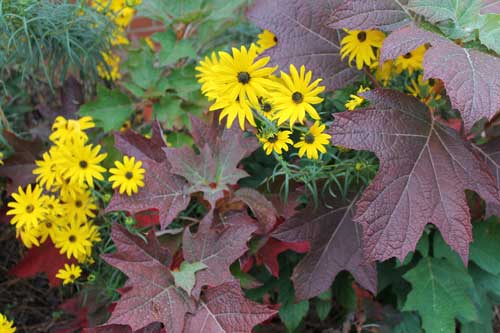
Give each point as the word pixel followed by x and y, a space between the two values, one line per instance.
pixel 6 325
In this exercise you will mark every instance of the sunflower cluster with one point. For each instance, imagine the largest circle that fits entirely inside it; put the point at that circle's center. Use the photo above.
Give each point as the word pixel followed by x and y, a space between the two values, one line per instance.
pixel 60 206
pixel 6 325
pixel 242 86
pixel 121 12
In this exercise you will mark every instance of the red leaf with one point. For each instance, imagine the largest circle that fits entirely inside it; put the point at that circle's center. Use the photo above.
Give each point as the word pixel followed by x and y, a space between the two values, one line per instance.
pixel 490 153
pixel 471 78
pixel 74 307
pixel 19 166
pixel 151 296
pixel 153 328
pixel 268 254
pixel 216 166
pixel 43 259
pixel 385 15
pixel 263 209
pixel 134 144
pixel 425 168
pixel 147 218
pixel 224 309
pixel 162 190
pixel 335 246
pixel 217 248
pixel 304 38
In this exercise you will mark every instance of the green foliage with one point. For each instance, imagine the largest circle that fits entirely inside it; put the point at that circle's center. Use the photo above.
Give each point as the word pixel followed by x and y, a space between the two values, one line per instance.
pixel 185 277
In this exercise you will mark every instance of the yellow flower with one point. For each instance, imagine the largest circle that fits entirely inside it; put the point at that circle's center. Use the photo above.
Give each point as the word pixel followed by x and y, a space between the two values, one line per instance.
pixel 383 74
pixel 422 89
pixel 49 228
pixel 69 274
pixel 266 107
pixel 266 40
pixel 119 37
pixel 6 326
pixel 150 43
pixel 276 142
pixel 233 109
pixel 242 76
pixel 70 130
pixel 48 170
pixel 81 206
pixel 297 96
pixel 313 141
pixel 412 61
pixel 68 189
pixel 207 75
pixel 83 164
pixel 1 158
pixel 73 239
pixel 128 175
pixel 29 237
pixel 359 44
pixel 356 100
pixel 28 208
pixel 124 17
pixel 110 68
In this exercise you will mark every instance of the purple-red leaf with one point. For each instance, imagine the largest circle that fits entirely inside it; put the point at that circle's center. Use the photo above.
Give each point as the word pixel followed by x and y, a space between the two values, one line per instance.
pixel 150 295
pixel 217 248
pixel 424 169
pixel 162 190
pixel 224 309
pixel 385 15
pixel 471 78
pixel 134 144
pixel 304 38
pixel 490 7
pixel 491 155
pixel 335 246
pixel 263 209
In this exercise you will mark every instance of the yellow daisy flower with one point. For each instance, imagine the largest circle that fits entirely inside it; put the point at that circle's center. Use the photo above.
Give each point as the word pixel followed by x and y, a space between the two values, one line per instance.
pixel 359 44
pixel 266 107
pixel 124 17
pixel 83 164
pixel 356 100
pixel 266 40
pixel 242 76
pixel 276 142
pixel 47 170
pixel 233 109
pixel 73 238
pixel 297 96
pixel 81 206
pixel 6 326
pixel 70 130
pixel 383 74
pixel 207 75
pixel 68 189
pixel 28 207
pixel 110 68
pixel 422 89
pixel 128 176
pixel 412 61
pixel 29 237
pixel 312 141
pixel 1 158
pixel 49 228
pixel 69 274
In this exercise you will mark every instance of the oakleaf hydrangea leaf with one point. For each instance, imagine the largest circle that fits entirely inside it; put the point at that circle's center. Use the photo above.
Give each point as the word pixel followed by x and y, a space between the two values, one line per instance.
pixel 185 277
pixel 425 168
pixel 491 155
pixel 385 15
pixel 335 246
pixel 224 309
pixel 303 37
pixel 489 33
pixel 490 7
pixel 439 294
pixel 486 246
pixel 263 209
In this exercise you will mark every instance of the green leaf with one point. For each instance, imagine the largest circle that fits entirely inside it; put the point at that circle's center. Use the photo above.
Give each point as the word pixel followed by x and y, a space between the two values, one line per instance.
pixel 443 250
pixel 342 291
pixel 110 109
pixel 179 139
pixel 292 314
pixel 440 293
pixel 140 65
pixel 172 50
pixel 485 248
pixel 489 32
pixel 410 323
pixel 169 112
pixel 323 308
pixel 223 9
pixel 183 81
pixel 172 11
pixel 185 277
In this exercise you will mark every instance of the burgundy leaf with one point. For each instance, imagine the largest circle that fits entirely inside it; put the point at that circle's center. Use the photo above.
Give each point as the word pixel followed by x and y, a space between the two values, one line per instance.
pixel 205 132
pixel 150 295
pixel 385 15
pixel 335 246
pixel 217 248
pixel 471 78
pixel 224 309
pixel 304 38
pixel 263 209
pixel 153 328
pixel 19 166
pixel 162 190
pixel 490 7
pixel 215 167
pixel 134 144
pixel 268 254
pixel 424 169
pixel 490 152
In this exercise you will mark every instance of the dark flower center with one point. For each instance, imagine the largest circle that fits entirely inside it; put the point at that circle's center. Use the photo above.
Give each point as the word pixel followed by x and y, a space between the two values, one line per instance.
pixel 272 139
pixel 432 82
pixel 361 36
pixel 275 39
pixel 407 55
pixel 297 97
pixel 309 138
pixel 78 203
pixel 48 225
pixel 266 107
pixel 72 238
pixel 243 77
pixel 129 175
pixel 72 276
pixel 83 164
pixel 30 209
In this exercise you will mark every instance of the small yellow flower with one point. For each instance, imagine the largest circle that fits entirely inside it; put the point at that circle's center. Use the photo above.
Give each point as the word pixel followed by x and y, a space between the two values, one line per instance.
pixel 360 44
pixel 1 158
pixel 29 237
pixel 276 142
pixel 150 43
pixel 383 74
pixel 70 130
pixel 28 207
pixel 6 326
pixel 266 40
pixel 48 170
pixel 73 239
pixel 110 68
pixel 83 164
pixel 412 61
pixel 80 207
pixel 312 141
pixel 128 176
pixel 69 274
pixel 356 100
pixel 206 76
